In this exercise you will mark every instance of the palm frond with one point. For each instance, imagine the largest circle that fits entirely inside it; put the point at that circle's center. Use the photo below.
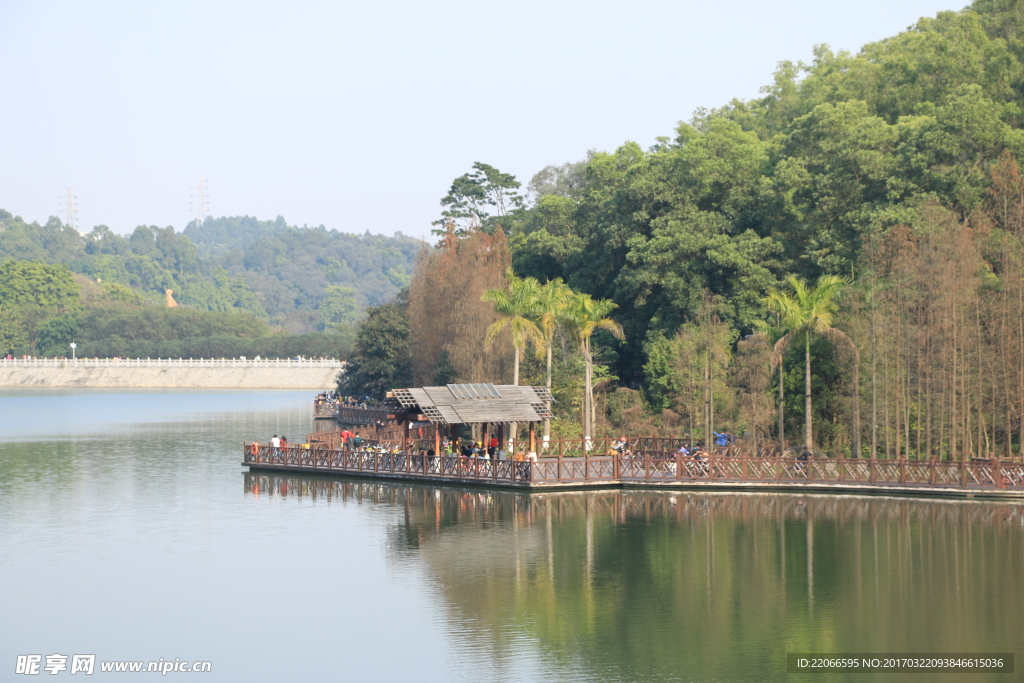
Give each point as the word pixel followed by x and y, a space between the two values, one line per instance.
pixel 779 350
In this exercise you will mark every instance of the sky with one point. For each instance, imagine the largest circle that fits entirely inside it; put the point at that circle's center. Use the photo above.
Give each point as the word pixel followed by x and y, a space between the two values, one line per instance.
pixel 358 116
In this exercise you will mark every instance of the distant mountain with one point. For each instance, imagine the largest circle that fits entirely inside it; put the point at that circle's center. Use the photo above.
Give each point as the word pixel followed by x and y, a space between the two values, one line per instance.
pixel 302 279
pixel 290 268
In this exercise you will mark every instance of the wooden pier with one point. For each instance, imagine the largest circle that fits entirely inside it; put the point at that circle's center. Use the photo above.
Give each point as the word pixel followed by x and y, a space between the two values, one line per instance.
pixel 655 469
pixel 408 430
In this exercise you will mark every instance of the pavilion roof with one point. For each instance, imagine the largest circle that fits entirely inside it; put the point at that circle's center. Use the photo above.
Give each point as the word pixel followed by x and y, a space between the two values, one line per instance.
pixel 477 403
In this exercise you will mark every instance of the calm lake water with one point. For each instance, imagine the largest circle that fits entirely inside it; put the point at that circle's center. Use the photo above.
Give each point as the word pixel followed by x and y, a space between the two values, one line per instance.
pixel 129 530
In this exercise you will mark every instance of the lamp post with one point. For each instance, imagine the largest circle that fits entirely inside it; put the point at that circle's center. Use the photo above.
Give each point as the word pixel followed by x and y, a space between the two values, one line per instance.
pixel 73 347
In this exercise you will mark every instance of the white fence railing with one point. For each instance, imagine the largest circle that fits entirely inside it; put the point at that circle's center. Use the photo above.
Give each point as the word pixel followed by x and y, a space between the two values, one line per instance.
pixel 171 363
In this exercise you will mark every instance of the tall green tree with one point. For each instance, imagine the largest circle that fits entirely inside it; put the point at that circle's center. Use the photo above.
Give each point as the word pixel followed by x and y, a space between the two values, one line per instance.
pixel 478 200
pixel 382 360
pixel 805 312
pixel 551 303
pixel 516 303
pixel 584 316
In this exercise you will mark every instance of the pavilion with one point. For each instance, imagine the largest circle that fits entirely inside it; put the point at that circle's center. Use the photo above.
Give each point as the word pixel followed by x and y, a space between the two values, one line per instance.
pixel 487 405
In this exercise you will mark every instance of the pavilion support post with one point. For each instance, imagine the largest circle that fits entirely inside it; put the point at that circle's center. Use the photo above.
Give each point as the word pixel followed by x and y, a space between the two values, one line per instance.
pixel 485 442
pixel 405 436
pixel 533 437
pixel 437 439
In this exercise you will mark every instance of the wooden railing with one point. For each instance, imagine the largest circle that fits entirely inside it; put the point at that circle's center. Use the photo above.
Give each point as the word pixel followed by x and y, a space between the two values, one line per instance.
pixel 353 414
pixel 389 463
pixel 331 439
pixel 651 467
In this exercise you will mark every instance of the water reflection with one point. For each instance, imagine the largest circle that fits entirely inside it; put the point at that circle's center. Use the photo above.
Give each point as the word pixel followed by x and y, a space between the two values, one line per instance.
pixel 640 585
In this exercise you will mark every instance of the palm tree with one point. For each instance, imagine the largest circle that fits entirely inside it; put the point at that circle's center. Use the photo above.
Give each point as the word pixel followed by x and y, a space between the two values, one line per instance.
pixel 585 316
pixel 812 311
pixel 553 298
pixel 517 304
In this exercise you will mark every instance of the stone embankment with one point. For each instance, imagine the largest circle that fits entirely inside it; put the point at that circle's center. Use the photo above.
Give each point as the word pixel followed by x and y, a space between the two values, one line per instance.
pixel 171 373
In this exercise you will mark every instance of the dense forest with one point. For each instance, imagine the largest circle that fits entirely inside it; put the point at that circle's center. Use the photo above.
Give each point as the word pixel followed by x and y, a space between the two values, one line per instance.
pixel 838 262
pixel 286 290
pixel 307 278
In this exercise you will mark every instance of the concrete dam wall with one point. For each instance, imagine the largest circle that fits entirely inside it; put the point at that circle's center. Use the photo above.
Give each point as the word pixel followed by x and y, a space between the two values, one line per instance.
pixel 173 374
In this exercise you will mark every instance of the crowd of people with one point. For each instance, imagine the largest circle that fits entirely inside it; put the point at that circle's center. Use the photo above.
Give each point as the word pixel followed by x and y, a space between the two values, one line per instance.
pixel 352 441
pixel 333 398
pixel 470 448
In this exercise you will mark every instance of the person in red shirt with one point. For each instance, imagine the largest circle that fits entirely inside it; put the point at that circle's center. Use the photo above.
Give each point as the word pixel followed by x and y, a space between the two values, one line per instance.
pixel 346 437
pixel 492 446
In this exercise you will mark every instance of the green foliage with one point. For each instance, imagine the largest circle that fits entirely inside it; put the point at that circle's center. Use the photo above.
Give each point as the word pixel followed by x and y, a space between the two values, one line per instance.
pixel 792 183
pixel 292 269
pixel 13 335
pixel 57 333
pixel 518 305
pixel 119 294
pixel 475 195
pixel 808 312
pixel 688 373
pixel 30 293
pixel 42 310
pixel 154 323
pixel 381 361
pixel 565 181
pixel 23 283
pixel 338 307
pixel 266 268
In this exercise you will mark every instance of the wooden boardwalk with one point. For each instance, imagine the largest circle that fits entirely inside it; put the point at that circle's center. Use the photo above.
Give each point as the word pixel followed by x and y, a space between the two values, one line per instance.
pixel 351 415
pixel 657 469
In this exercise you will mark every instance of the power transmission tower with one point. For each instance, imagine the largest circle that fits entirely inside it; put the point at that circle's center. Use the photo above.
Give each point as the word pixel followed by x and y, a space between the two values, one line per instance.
pixel 71 209
pixel 200 200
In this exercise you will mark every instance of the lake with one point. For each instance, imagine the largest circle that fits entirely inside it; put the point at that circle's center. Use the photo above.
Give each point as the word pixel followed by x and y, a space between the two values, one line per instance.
pixel 129 530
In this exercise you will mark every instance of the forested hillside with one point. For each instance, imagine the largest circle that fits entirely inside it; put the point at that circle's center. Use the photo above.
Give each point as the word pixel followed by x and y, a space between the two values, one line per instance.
pixel 895 169
pixel 307 278
pixel 836 153
pixel 243 287
pixel 299 279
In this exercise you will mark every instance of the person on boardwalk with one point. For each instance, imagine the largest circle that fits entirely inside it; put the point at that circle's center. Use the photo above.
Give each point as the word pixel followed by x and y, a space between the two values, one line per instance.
pixel 700 458
pixel 357 442
pixel 284 441
pixel 801 465
pixel 621 449
pixel 346 439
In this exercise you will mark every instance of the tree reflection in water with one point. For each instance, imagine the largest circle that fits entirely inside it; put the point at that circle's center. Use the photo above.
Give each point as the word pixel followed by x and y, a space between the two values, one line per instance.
pixel 652 585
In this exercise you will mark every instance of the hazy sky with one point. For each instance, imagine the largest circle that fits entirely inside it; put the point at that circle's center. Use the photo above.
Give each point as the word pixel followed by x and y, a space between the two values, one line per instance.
pixel 359 115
